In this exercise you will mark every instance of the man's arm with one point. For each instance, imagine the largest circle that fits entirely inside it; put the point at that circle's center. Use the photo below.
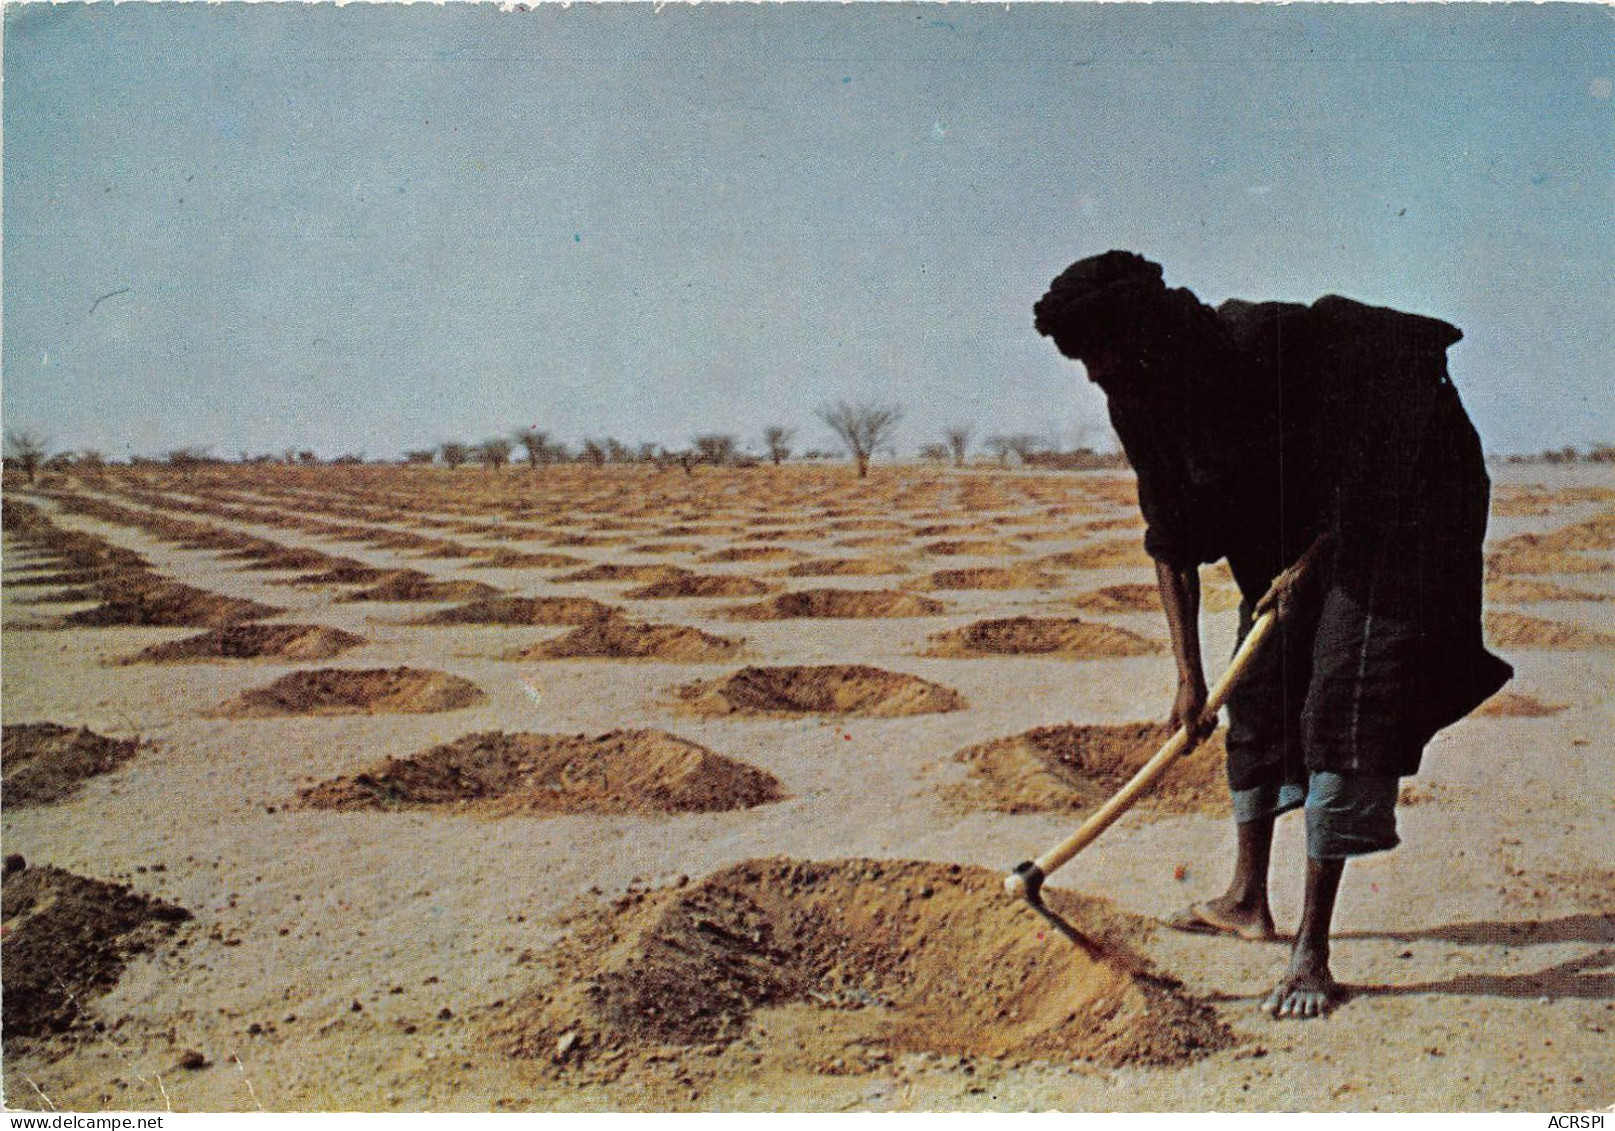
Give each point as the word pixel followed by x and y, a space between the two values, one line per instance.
pixel 1180 596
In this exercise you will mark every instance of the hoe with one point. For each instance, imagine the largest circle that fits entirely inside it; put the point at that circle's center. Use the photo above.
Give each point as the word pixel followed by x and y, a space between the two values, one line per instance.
pixel 1026 881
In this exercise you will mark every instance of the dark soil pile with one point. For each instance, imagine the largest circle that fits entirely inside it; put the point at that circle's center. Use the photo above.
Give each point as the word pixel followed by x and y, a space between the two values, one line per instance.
pixel 523 559
pixel 45 762
pixel 297 642
pixel 626 771
pixel 960 547
pixel 617 639
pixel 1119 553
pixel 847 567
pixel 367 691
pixel 1072 768
pixel 702 585
pixel 1517 705
pixel 524 611
pixel 617 571
pixel 145 599
pixel 412 585
pixel 67 939
pixel 830 689
pixel 1004 577
pixel 345 572
pixel 1516 630
pixel 1066 637
pixel 839 603
pixel 901 955
pixel 1518 591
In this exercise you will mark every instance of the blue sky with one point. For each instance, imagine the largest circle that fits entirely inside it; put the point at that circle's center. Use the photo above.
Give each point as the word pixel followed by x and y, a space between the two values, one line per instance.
pixel 375 228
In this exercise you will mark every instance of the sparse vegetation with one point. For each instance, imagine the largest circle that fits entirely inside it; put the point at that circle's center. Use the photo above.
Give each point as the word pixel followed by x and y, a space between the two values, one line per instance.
pixel 958 438
pixel 27 451
pixel 862 428
pixel 777 439
pixel 494 453
pixel 454 453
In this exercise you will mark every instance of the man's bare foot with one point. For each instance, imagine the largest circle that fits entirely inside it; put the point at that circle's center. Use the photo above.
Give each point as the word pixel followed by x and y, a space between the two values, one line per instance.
pixel 1224 916
pixel 1308 990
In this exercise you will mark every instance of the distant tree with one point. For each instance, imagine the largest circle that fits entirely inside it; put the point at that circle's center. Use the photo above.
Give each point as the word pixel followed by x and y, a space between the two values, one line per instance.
pixel 716 448
pixel 91 459
pixel 27 450
pixel 1602 453
pixel 307 458
pixel 533 441
pixel 777 438
pixel 935 453
pixel 958 437
pixel 420 455
pixel 348 459
pixel 593 453
pixel 1023 445
pixel 494 453
pixel 454 453
pixel 188 457
pixel 861 427
pixel 647 453
pixel 617 451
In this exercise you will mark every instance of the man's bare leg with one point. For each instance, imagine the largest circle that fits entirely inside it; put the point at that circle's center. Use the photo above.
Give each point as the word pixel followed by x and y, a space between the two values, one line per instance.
pixel 1243 909
pixel 1308 989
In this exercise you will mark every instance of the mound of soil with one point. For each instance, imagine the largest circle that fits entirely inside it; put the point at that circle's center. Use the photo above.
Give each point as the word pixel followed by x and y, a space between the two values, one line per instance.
pixel 151 601
pixel 68 938
pixel 1007 577
pixel 626 771
pixel 1067 637
pixel 356 691
pixel 1517 705
pixel 344 573
pixel 1516 630
pixel 702 585
pixel 524 611
pixel 1523 558
pixel 751 554
pixel 617 639
pixel 841 603
pixel 906 956
pixel 45 762
pixel 299 642
pixel 617 571
pixel 1597 533
pixel 1516 591
pixel 847 567
pixel 872 541
pixel 1072 768
pixel 973 546
pixel 523 559
pixel 830 689
pixel 1119 553
pixel 1142 597
pixel 412 585
pixel 664 548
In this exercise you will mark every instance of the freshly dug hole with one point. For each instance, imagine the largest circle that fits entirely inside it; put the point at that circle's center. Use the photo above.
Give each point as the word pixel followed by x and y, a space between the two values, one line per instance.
pixel 751 554
pixel 151 601
pixel 412 585
pixel 905 955
pixel 1516 630
pixel 45 762
pixel 841 603
pixel 625 771
pixel 831 689
pixel 1071 768
pixel 616 571
pixel 847 567
pixel 67 939
pixel 616 639
pixel 368 691
pixel 299 642
pixel 1002 577
pixel 1066 637
pixel 523 611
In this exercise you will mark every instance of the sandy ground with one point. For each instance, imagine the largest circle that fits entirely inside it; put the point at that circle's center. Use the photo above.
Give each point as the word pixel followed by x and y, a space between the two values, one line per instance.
pixel 355 960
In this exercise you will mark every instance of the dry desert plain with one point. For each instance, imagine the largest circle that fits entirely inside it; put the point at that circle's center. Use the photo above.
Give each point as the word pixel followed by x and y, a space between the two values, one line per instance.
pixel 418 789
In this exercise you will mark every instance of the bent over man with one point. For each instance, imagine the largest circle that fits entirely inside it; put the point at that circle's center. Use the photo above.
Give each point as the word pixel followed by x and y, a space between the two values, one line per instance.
pixel 1261 432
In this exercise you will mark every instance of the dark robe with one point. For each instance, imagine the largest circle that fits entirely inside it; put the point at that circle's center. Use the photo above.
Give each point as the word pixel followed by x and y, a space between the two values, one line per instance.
pixel 1282 422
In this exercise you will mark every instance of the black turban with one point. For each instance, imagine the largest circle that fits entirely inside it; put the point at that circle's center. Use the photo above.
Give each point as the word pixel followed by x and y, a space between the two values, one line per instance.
pixel 1095 298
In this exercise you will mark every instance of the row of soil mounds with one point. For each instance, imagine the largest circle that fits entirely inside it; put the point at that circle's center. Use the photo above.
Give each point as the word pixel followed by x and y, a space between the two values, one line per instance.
pixel 1523 591
pixel 295 642
pixel 903 955
pixel 493 773
pixel 67 939
pixel 1064 637
pixel 1142 597
pixel 828 689
pixel 1516 630
pixel 1071 768
pixel 355 691
pixel 45 762
pixel 523 611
